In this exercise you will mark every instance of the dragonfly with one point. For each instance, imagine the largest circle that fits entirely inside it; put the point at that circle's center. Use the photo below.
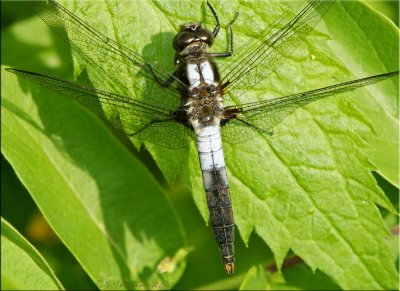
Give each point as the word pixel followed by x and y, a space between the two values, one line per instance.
pixel 193 103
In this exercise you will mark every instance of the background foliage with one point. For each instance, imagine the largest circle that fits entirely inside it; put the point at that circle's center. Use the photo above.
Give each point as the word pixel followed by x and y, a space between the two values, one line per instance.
pixel 168 218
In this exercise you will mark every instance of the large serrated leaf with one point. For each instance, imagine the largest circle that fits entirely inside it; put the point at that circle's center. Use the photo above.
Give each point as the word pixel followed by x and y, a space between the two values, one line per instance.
pixel 371 45
pixel 309 188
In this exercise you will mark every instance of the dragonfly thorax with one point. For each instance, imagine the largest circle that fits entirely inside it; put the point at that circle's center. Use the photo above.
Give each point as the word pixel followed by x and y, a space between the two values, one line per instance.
pixel 204 105
pixel 204 91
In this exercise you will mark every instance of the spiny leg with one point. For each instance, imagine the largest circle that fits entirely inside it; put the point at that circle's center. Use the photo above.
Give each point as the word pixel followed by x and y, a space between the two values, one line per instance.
pixel 217 26
pixel 230 52
pixel 162 83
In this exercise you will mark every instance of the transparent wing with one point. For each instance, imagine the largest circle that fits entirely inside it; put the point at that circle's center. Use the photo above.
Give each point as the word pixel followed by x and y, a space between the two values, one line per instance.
pixel 124 67
pixel 260 117
pixel 138 119
pixel 263 59
pixel 169 134
pixel 227 65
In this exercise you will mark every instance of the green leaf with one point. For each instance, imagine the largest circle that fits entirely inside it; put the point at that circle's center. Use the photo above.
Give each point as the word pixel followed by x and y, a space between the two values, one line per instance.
pixel 255 279
pixel 301 277
pixel 309 187
pixel 103 204
pixel 370 47
pixel 296 276
pixel 23 267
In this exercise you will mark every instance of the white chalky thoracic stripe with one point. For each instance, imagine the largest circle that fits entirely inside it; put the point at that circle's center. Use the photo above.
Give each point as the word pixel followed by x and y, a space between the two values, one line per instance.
pixel 209 143
pixel 194 74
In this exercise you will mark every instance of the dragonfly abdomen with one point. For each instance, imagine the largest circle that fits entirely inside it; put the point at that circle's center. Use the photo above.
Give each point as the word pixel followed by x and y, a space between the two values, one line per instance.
pixel 216 185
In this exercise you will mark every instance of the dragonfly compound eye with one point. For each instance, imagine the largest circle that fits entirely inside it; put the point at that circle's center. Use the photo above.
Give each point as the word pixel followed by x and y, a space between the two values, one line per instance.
pixel 182 40
pixel 204 35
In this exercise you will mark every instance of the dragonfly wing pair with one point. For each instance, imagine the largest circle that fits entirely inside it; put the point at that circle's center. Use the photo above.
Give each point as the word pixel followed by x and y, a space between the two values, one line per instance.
pixel 158 117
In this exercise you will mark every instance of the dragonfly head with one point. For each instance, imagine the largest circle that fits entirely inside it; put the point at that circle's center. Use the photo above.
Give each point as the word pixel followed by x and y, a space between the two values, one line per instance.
pixel 190 34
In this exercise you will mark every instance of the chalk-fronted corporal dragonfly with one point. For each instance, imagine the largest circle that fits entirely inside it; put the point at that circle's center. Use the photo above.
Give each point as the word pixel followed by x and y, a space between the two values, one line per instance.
pixel 191 102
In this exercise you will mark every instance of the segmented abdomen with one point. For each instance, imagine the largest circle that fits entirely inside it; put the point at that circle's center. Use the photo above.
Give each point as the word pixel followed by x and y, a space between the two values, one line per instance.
pixel 215 180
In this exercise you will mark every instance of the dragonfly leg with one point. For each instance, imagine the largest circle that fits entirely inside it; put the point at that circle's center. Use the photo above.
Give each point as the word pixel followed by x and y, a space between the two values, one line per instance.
pixel 230 52
pixel 177 116
pixel 265 131
pixel 162 83
pixel 152 122
pixel 217 26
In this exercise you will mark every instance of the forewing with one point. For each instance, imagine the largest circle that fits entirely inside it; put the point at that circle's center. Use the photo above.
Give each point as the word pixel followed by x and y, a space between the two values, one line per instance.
pixel 260 117
pixel 261 60
pixel 138 119
pixel 122 66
